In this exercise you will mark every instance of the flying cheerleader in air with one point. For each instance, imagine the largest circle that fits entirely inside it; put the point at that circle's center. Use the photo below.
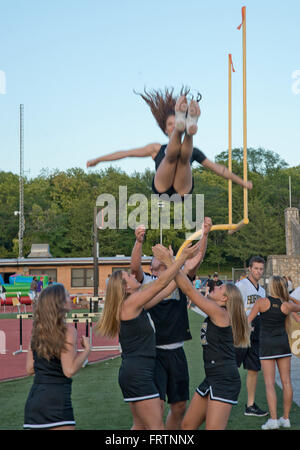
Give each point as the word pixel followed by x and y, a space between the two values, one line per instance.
pixel 178 120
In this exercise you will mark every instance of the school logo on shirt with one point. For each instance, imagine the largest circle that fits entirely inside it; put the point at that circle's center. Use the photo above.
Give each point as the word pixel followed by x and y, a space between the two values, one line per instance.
pixel 251 299
pixel 203 332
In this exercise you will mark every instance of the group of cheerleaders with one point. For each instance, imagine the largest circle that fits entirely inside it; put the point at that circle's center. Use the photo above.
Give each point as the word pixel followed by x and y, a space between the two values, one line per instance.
pixel 53 357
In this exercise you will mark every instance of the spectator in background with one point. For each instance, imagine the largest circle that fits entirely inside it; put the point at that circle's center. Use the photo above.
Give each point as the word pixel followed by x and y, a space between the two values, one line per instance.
pixel 107 280
pixel 33 288
pixel 296 293
pixel 2 288
pixel 2 292
pixel 290 284
pixel 216 279
pixel 211 283
pixel 39 286
pixel 197 283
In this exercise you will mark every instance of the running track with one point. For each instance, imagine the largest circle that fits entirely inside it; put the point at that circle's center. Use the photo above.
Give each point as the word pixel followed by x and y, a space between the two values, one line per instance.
pixel 13 366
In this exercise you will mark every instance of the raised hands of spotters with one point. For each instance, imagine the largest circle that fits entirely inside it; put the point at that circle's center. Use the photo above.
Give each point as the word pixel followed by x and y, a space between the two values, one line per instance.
pixel 140 232
pixel 206 226
pixel 190 251
pixel 171 250
pixel 163 254
pixel 193 263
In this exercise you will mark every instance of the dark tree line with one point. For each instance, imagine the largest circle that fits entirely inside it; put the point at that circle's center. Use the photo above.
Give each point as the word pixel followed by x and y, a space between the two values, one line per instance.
pixel 59 210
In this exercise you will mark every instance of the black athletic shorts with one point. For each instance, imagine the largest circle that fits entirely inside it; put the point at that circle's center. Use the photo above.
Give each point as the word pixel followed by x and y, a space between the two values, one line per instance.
pixel 172 375
pixel 249 356
pixel 171 190
pixel 222 383
pixel 48 406
pixel 136 379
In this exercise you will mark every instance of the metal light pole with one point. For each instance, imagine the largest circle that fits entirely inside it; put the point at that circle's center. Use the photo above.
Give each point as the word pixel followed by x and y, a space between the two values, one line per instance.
pixel 160 205
pixel 21 184
pixel 95 254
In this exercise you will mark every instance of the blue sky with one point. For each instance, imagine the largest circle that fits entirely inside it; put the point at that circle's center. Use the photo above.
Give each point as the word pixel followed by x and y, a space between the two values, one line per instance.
pixel 74 65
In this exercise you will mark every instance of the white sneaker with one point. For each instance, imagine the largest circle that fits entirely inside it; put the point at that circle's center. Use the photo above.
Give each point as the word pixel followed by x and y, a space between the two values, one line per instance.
pixel 285 423
pixel 271 424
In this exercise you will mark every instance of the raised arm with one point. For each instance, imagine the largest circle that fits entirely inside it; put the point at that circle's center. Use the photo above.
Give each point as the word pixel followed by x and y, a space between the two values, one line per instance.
pixel 162 295
pixel 136 254
pixel 140 152
pixel 223 172
pixel 71 360
pixel 291 307
pixel 191 266
pixel 297 302
pixel 135 302
pixel 255 309
pixel 210 307
pixel 29 362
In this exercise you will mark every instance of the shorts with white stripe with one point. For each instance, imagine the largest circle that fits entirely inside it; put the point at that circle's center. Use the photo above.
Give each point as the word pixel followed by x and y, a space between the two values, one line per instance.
pixel 222 383
pixel 136 379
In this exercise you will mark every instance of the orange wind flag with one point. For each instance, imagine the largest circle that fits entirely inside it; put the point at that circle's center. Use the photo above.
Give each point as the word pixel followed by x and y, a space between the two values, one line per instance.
pixel 230 59
pixel 243 17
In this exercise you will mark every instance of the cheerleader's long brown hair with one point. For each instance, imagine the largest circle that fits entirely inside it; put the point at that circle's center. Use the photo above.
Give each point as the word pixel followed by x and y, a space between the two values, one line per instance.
pixel 110 320
pixel 48 337
pixel 162 104
pixel 238 318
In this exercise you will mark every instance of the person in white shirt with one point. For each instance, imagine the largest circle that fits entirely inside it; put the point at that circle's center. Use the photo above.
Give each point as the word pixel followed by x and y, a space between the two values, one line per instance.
pixel 296 293
pixel 251 290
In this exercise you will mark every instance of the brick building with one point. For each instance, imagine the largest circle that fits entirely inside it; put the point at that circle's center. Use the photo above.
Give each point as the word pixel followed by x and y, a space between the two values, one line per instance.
pixel 76 274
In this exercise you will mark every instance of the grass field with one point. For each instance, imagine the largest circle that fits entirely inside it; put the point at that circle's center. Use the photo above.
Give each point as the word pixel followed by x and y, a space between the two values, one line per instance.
pixel 98 403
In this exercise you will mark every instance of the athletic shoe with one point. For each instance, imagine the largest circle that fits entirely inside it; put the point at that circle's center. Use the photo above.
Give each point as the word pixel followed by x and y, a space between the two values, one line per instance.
pixel 285 423
pixel 271 424
pixel 254 410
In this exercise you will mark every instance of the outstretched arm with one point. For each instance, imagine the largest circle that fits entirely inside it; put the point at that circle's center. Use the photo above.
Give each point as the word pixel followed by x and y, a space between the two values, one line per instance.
pixel 140 152
pixel 135 302
pixel 71 359
pixel 296 316
pixel 254 311
pixel 210 307
pixel 136 254
pixel 223 172
pixel 191 266
pixel 297 302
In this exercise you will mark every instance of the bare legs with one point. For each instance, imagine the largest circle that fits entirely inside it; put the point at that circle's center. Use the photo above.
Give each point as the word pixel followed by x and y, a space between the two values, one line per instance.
pixel 214 413
pixel 284 367
pixel 147 414
pixel 175 415
pixel 251 383
pixel 175 168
